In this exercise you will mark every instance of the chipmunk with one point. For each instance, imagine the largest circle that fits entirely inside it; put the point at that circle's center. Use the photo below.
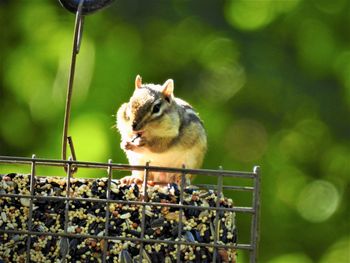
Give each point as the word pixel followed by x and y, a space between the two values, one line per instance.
pixel 159 128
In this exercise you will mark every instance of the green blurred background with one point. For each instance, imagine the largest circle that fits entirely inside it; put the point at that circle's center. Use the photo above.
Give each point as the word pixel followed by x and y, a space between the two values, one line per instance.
pixel 270 79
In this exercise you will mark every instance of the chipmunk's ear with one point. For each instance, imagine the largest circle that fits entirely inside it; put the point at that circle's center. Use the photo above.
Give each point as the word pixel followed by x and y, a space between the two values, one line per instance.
pixel 168 88
pixel 138 82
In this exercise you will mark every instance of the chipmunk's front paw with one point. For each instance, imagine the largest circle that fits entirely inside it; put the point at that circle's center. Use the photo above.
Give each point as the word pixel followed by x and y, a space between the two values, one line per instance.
pixel 128 146
pixel 134 144
pixel 139 141
pixel 132 179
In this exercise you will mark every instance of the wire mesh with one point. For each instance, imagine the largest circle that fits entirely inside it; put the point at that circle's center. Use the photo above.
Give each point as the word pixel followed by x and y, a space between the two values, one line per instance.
pixel 220 175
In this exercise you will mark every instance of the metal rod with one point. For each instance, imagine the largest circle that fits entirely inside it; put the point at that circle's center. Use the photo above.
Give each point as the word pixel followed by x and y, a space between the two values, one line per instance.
pixel 97 165
pixel 66 212
pixel 30 214
pixel 78 30
pixel 144 201
pixel 226 187
pixel 108 197
pixel 71 146
pixel 182 188
pixel 157 241
pixel 241 209
pixel 255 219
pixel 217 222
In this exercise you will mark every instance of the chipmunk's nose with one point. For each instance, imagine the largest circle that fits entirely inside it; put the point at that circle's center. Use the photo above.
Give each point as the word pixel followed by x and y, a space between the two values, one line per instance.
pixel 134 126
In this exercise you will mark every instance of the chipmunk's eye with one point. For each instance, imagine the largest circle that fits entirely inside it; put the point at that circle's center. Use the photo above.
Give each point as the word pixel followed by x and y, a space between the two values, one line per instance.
pixel 156 108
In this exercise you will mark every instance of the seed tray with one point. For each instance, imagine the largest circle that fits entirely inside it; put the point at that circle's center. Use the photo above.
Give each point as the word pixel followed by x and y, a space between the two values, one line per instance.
pixel 80 220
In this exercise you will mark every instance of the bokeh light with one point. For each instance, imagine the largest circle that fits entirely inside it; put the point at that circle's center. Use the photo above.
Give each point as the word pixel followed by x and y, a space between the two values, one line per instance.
pixel 303 143
pixel 224 76
pixel 338 252
pixel 335 163
pixel 254 15
pixel 318 201
pixel 316 45
pixel 249 15
pixel 289 181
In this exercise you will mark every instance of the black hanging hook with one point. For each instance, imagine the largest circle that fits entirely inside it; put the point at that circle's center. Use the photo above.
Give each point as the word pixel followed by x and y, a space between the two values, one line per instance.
pixel 89 6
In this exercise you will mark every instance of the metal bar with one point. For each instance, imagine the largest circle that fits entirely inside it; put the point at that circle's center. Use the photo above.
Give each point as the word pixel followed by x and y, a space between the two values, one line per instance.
pixel 97 165
pixel 72 149
pixel 233 209
pixel 108 197
pixel 183 185
pixel 216 222
pixel 155 241
pixel 78 29
pixel 30 214
pixel 226 187
pixel 66 213
pixel 144 201
pixel 66 210
pixel 255 218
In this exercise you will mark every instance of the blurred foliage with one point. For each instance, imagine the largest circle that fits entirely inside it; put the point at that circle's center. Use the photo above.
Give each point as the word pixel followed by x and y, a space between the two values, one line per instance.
pixel 270 79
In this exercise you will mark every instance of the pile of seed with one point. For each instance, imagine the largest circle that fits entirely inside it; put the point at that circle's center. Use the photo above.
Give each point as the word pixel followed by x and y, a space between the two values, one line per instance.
pixel 86 222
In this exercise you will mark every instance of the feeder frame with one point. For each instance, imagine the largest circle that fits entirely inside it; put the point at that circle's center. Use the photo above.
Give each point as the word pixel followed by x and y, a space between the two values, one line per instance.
pixel 220 174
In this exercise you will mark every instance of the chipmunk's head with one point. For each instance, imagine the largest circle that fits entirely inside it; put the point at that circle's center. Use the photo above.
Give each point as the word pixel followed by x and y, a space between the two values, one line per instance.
pixel 151 107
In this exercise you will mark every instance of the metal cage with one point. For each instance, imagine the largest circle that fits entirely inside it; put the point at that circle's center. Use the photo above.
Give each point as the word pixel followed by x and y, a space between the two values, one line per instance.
pixel 253 210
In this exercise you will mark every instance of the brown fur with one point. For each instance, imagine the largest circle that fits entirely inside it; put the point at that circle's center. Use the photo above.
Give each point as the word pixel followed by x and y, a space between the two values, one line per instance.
pixel 172 138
